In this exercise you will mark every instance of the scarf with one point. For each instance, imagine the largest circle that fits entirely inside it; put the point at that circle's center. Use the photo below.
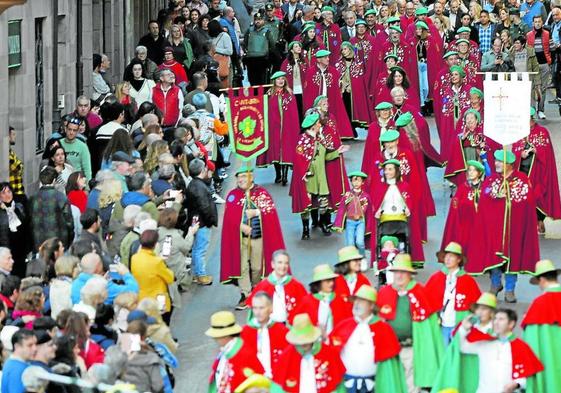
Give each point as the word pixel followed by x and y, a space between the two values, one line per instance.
pixel 13 219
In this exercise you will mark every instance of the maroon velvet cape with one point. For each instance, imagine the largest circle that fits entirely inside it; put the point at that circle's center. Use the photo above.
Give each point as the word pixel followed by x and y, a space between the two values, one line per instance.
pixel 331 37
pixel 519 251
pixel 360 100
pixel 411 95
pixel 341 216
pixel 284 129
pixel 372 144
pixel 365 52
pixel 410 31
pixel 434 61
pixel 313 89
pixel 384 48
pixel 230 250
pixel 543 172
pixel 289 70
pixel 472 66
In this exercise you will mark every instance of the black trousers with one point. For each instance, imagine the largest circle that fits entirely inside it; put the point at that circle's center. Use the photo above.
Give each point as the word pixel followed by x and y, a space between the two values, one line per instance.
pixel 257 70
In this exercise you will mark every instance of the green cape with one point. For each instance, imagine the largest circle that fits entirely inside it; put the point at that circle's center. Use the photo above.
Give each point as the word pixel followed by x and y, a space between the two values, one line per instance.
pixel 545 341
pixel 428 351
pixel 390 377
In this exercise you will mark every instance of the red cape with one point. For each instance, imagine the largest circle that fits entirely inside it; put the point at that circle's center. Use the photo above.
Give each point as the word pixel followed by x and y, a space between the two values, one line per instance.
pixel 331 36
pixel 385 47
pixel 434 60
pixel 467 290
pixel 230 250
pixel 365 52
pixel 277 341
pixel 360 100
pixel 342 289
pixel 411 95
pixel 341 216
pixel 521 248
pixel 310 305
pixel 420 303
pixel 289 69
pixel 544 310
pixel 372 144
pixel 178 71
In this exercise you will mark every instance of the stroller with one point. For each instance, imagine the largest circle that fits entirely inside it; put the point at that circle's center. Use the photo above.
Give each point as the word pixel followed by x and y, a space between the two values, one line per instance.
pixel 397 229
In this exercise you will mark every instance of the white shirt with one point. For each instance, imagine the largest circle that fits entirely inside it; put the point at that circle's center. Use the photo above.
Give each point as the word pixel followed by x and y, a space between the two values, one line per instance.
pixel 393 202
pixel 351 30
pixel 495 363
pixel 358 353
pixel 352 283
pixel 106 131
pixel 448 313
pixel 325 319
pixel 264 349
pixel 323 82
pixel 223 362
pixel 307 375
pixel 145 92
pixel 279 305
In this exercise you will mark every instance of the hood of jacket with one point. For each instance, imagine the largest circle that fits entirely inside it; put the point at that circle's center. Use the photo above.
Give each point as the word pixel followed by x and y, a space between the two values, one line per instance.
pixel 134 198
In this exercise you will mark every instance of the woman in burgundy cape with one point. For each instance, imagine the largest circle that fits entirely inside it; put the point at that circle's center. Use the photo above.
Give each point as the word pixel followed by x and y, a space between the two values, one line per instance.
pixel 382 122
pixel 284 128
pixel 311 43
pixel 392 45
pixel 365 44
pixel 295 67
pixel 398 78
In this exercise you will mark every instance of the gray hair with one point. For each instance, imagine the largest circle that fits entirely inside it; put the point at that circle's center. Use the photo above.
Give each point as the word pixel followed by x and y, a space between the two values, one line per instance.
pixel 4 252
pixel 82 99
pixel 196 167
pixel 397 89
pixel 33 378
pixel 166 171
pixel 307 9
pixel 148 119
pixel 138 181
pixel 164 72
pixel 142 216
pixel 140 49
pixel 94 291
pixel 166 159
pixel 104 174
pixel 280 252
pixel 130 213
pixel 188 110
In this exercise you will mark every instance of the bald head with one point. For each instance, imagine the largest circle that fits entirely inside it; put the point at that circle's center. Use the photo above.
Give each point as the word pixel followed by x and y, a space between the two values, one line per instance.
pixel 91 264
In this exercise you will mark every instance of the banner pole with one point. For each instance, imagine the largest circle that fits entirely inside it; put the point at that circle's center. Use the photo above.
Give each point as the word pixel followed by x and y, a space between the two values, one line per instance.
pixel 245 87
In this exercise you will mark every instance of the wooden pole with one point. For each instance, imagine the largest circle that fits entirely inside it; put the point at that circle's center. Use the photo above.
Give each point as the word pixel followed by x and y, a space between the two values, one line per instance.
pixel 246 87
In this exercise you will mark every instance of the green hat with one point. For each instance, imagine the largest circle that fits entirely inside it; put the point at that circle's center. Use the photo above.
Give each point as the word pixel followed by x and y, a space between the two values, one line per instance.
pixel 542 267
pixel 459 70
pixel 347 43
pixel 450 53
pixel 464 29
pixel 323 272
pixel 370 12
pixel 392 19
pixel 422 25
pixel 310 120
pixel 391 56
pixel 348 253
pixel 392 239
pixel 294 43
pixel 476 91
pixel 396 28
pixel 357 174
pixel 391 161
pixel 397 68
pixel 402 263
pixel 421 11
pixel 360 22
pixel 462 41
pixel 366 292
pixel 383 105
pixel 487 299
pixel 303 331
pixel 328 8
pixel 532 111
pixel 476 164
pixel 389 136
pixel 404 119
pixel 307 27
pixel 244 169
pixel 253 381
pixel 500 156
pixel 277 74
pixel 322 53
pixel 475 112
pixel 454 248
pixel 318 100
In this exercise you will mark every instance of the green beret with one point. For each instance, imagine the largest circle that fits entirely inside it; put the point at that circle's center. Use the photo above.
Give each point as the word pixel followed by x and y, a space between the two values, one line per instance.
pixel 347 43
pixel 422 11
pixel 322 53
pixel 532 111
pixel 392 161
pixel 476 164
pixel 307 28
pixel 464 29
pixel 392 239
pixel 392 19
pixel 389 136
pixel 310 120
pixel 462 41
pixel 459 70
pixel 396 28
pixel 397 68
pixel 404 119
pixel 244 169
pixel 422 25
pixel 370 12
pixel 383 105
pixel 500 156
pixel 391 56
pixel 277 74
pixel 475 112
pixel 294 43
pixel 450 53
pixel 357 174
pixel 360 22
pixel 318 99
pixel 476 91
pixel 328 8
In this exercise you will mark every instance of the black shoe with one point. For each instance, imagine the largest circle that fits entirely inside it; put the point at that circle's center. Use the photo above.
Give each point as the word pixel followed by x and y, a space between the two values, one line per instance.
pixel 314 213
pixel 305 229
pixel 277 173
pixel 284 171
pixel 324 222
pixel 242 305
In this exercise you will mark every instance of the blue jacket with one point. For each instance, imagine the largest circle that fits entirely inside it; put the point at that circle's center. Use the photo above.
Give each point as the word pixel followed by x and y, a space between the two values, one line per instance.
pixel 231 32
pixel 134 198
pixel 113 289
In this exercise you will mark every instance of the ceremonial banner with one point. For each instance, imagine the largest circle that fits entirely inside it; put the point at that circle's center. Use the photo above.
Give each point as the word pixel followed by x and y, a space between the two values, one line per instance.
pixel 507 107
pixel 248 121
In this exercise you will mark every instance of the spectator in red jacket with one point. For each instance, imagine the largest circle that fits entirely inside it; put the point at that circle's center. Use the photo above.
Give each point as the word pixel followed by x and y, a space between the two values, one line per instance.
pixel 168 98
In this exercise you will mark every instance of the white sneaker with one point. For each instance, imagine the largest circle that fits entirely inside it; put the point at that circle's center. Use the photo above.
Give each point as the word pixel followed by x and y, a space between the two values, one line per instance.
pixel 218 199
pixel 541 115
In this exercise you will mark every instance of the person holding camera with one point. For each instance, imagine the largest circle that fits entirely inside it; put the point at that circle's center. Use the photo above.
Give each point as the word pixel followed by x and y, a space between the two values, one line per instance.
pixel 495 60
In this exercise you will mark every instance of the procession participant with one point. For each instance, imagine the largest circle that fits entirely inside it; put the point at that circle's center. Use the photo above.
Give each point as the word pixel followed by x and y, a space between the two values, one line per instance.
pixel 407 306
pixel 251 232
pixel 234 357
pixel 365 44
pixel 542 327
pixel 263 334
pixel 463 33
pixel 393 204
pixel 323 79
pixel 310 188
pixel 372 27
pixel 476 100
pixel 329 32
pixel 354 215
pixel 506 363
pixel 399 78
pixel 295 67
pixel 311 43
pixel 283 128
pixel 506 227
pixel 354 86
pixel 463 209
pixel 393 44
pixel 369 348
pixel 324 307
pixel 453 289
pixel 256 383
pixel 470 62
pixel 349 278
pixel 285 290
pixel 421 15
pixel 442 80
pixel 307 365
pixel 381 123
pixel 535 157
pixel 390 61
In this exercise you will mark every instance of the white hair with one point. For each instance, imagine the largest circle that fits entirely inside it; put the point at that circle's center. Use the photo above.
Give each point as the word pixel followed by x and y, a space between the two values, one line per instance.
pixel 142 216
pixel 140 49
pixel 149 224
pixel 94 291
pixel 130 213
pixel 4 252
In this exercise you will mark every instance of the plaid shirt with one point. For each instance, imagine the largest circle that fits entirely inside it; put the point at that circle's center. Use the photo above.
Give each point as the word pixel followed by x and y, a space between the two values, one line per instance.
pixel 16 174
pixel 485 37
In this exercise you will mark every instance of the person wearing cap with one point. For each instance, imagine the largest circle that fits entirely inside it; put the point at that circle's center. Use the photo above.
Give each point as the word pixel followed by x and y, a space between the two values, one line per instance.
pixel 476 100
pixel 470 60
pixel 392 44
pixel 536 158
pixel 506 227
pixel 168 98
pixel 390 61
pixel 295 66
pixel 408 307
pixel 329 32
pixel 323 306
pixel 251 232
pixel 235 355
pixel 310 41
pixel 259 46
pixel 452 289
pixel 273 23
pixel 307 365
pixel 381 123
pixel 421 15
pixel 285 290
pixel 121 164
pixel 369 348
pixel 283 128
pixel 365 44
pixel 542 330
pixel 354 214
pixel 443 77
pixel 354 86
pixel 371 19
pixel 256 383
pixel 399 77
pixel 348 268
pixel 517 26
pixel 174 66
pixel 322 79
pixel 264 335
pixel 465 33
pixel 46 349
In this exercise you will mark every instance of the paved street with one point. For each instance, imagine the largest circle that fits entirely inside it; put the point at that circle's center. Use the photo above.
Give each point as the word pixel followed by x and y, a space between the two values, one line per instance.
pixel 197 352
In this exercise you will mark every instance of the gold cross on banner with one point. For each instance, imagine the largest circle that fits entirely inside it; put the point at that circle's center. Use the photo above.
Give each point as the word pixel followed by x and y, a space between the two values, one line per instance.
pixel 500 97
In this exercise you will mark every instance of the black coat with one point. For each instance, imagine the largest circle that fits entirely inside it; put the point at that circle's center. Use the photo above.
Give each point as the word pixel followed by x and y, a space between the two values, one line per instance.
pixel 17 242
pixel 200 203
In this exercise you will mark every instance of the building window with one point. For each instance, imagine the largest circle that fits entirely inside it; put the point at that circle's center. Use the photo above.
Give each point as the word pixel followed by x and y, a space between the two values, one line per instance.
pixel 39 87
pixel 14 43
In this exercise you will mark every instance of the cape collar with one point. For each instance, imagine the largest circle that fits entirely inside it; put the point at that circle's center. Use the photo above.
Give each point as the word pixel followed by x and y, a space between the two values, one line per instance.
pixel 275 281
pixel 325 296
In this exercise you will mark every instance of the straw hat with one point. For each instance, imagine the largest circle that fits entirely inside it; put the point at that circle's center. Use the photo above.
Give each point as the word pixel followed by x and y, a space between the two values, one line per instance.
pixel 303 331
pixel 487 299
pixel 454 248
pixel 542 267
pixel 365 292
pixel 223 324
pixel 323 272
pixel 253 381
pixel 402 263
pixel 348 253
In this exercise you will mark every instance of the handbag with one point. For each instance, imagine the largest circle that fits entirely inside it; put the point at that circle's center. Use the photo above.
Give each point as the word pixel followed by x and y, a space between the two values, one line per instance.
pixel 223 65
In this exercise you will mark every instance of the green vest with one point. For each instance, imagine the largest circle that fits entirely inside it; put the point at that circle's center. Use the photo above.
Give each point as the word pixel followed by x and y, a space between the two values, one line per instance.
pixel 258 43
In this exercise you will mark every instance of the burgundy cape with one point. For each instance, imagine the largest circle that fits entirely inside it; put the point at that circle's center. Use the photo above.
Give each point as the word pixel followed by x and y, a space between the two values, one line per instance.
pixel 289 70
pixel 471 66
pixel 230 250
pixel 543 171
pixel 473 49
pixel 385 48
pixel 440 85
pixel 331 37
pixel 341 216
pixel 411 95
pixel 360 100
pixel 284 129
pixel 517 224
pixel 405 21
pixel 410 31
pixel 434 61
pixel 467 290
pixel 313 89
pixel 372 144
pixel 378 192
pixel 365 52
